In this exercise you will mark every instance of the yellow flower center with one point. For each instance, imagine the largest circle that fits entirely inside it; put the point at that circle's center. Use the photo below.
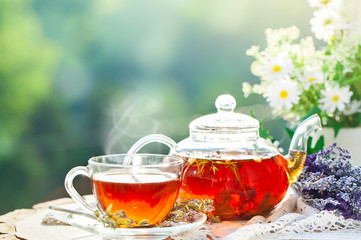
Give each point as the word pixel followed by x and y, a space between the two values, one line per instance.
pixel 283 94
pixel 325 1
pixel 311 80
pixel 335 98
pixel 276 68
pixel 327 22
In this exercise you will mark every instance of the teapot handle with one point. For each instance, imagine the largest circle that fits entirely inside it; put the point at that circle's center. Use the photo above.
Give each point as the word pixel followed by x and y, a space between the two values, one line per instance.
pixel 149 139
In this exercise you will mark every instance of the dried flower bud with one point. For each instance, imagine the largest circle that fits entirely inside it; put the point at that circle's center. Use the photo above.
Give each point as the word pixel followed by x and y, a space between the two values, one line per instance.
pixel 329 182
pixel 186 211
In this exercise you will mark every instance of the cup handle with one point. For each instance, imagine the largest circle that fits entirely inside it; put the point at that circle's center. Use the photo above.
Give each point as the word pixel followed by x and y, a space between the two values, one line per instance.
pixel 149 139
pixel 72 191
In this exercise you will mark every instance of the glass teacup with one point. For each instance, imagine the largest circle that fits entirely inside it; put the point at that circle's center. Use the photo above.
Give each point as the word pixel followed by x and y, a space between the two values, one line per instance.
pixel 144 186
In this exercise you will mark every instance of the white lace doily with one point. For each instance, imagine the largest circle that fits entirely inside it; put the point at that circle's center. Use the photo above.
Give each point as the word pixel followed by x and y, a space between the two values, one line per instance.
pixel 297 220
pixel 293 219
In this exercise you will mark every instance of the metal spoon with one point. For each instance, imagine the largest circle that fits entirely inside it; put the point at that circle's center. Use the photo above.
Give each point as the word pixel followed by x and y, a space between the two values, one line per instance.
pixel 91 215
pixel 72 211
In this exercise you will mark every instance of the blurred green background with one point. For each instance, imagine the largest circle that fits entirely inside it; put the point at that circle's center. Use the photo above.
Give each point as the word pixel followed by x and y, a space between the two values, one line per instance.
pixel 87 77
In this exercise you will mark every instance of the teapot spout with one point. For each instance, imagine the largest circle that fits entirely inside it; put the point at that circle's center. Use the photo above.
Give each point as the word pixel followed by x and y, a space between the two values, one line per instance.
pixel 298 148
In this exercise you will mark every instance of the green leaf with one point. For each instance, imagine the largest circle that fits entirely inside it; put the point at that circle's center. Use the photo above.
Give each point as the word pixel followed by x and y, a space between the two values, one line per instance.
pixel 314 110
pixel 263 133
pixel 336 128
pixel 109 208
pixel 352 80
pixel 339 72
pixel 319 145
pixel 252 114
pixel 290 132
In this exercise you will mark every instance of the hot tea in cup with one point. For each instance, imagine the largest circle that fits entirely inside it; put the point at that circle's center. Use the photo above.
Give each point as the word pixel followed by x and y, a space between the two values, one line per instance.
pixel 144 186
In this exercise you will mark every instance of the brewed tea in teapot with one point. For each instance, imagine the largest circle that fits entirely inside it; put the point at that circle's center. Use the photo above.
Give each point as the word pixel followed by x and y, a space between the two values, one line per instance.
pixel 226 161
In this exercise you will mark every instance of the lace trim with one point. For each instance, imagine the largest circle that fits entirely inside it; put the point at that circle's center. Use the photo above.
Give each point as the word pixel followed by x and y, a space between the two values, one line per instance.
pixel 301 219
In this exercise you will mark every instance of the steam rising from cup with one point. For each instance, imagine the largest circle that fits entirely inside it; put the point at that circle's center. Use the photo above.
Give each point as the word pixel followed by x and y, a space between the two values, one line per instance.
pixel 140 114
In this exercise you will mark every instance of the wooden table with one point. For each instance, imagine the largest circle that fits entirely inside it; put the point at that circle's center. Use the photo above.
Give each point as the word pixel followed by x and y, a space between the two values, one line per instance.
pixel 26 224
pixel 8 221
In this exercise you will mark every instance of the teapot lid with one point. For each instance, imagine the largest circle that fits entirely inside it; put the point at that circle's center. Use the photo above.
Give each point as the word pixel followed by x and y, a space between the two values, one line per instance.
pixel 225 125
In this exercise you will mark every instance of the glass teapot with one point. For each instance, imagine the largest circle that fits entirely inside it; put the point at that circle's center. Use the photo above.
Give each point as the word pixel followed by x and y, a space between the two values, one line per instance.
pixel 227 161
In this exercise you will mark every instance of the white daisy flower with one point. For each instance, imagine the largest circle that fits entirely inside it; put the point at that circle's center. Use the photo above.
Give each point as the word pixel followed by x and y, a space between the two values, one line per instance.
pixel 275 68
pixel 290 33
pixel 293 33
pixel 247 89
pixel 357 17
pixel 352 108
pixel 335 97
pixel 349 11
pixel 322 3
pixel 324 23
pixel 256 68
pixel 283 93
pixel 311 77
pixel 260 89
pixel 273 36
pixel 309 53
pixel 253 51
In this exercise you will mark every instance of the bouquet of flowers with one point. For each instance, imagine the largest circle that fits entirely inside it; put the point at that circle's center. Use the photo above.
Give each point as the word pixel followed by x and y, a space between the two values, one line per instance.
pixel 297 79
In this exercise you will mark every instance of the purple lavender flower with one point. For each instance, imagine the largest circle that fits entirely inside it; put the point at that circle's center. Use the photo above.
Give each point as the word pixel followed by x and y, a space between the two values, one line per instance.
pixel 330 182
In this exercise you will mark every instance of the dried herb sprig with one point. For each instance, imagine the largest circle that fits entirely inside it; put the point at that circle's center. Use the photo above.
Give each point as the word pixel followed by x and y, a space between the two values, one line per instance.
pixel 185 211
pixel 188 211
pixel 213 166
pixel 117 219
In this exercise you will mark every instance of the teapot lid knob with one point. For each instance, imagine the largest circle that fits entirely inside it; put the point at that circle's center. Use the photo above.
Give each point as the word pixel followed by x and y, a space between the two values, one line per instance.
pixel 225 125
pixel 225 103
